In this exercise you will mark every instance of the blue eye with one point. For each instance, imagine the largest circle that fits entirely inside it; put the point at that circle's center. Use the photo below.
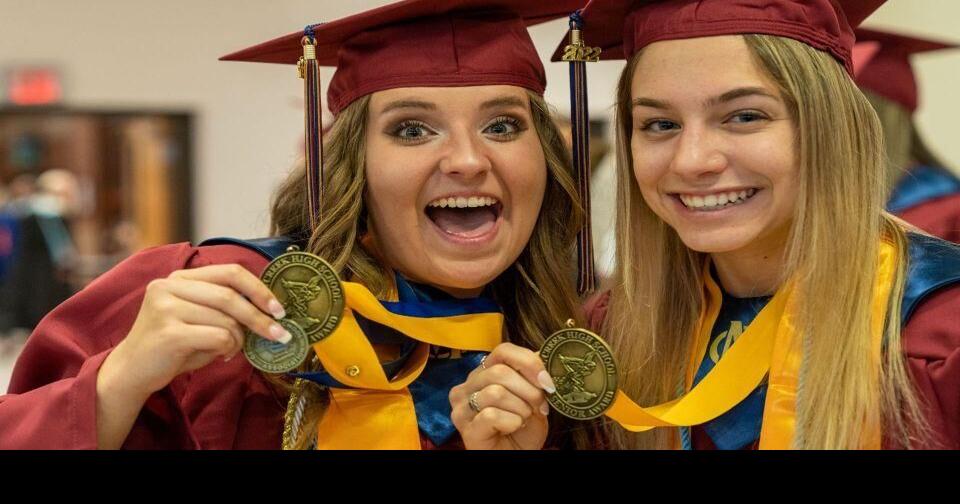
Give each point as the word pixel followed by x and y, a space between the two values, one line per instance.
pixel 411 131
pixel 504 127
pixel 659 126
pixel 747 117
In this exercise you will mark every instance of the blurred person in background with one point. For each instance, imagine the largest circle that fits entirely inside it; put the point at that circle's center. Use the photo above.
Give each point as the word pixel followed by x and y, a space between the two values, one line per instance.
pixel 925 192
pixel 41 254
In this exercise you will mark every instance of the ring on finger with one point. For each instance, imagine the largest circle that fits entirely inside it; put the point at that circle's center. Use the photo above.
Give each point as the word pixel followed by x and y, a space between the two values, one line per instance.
pixel 472 401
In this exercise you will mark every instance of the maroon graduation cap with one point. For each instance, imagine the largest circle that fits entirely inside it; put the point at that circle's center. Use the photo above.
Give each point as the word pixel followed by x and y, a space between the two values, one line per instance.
pixel 413 43
pixel 620 28
pixel 886 70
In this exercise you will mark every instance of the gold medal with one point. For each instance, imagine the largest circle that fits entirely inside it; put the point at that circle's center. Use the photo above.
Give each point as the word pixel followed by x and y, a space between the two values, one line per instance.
pixel 311 294
pixel 275 357
pixel 584 371
pixel 309 290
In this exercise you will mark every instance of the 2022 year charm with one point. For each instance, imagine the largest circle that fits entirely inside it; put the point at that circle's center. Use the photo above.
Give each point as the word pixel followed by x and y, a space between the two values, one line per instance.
pixel 584 371
pixel 310 292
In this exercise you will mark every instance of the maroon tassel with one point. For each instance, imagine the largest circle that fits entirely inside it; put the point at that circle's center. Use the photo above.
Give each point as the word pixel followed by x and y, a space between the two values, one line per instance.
pixel 578 55
pixel 313 125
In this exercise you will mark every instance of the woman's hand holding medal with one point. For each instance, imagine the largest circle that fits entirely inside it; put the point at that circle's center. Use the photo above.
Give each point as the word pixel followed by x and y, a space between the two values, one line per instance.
pixel 185 322
pixel 503 404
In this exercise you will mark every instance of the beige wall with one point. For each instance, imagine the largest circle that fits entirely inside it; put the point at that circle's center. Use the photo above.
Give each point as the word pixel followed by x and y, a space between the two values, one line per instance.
pixel 134 53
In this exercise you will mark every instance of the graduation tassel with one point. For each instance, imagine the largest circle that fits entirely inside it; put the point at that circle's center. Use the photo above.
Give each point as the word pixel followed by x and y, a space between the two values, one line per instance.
pixel 313 123
pixel 578 54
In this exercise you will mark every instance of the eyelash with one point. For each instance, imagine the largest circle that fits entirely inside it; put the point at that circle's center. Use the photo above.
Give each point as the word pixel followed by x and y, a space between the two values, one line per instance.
pixel 399 129
pixel 648 126
pixel 517 124
pixel 756 115
pixel 753 114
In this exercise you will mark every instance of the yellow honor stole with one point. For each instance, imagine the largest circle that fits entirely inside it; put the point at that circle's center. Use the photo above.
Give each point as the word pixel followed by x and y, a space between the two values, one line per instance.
pixel 769 346
pixel 377 412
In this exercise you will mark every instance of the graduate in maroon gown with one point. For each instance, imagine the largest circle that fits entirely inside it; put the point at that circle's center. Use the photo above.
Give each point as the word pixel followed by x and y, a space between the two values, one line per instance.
pixel 753 242
pixel 925 192
pixel 442 187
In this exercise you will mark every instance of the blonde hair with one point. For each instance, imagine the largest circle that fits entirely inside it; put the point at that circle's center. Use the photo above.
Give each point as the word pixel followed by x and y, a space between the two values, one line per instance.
pixel 657 294
pixel 536 292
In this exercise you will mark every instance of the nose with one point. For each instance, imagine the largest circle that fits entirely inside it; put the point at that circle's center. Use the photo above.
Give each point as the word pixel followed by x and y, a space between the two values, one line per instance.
pixel 698 153
pixel 465 156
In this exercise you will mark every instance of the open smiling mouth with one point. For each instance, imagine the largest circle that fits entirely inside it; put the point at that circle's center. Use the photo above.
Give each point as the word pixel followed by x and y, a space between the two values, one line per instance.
pixel 465 217
pixel 716 201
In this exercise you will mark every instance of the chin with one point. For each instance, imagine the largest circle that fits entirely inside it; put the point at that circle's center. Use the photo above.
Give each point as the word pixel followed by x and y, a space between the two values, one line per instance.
pixel 465 275
pixel 716 242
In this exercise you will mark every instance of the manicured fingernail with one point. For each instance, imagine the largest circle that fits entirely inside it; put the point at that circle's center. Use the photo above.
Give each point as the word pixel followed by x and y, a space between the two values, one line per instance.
pixel 276 309
pixel 546 382
pixel 278 333
pixel 544 409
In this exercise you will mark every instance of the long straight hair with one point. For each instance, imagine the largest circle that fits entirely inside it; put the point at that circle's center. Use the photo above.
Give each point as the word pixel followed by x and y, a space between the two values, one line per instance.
pixel 831 253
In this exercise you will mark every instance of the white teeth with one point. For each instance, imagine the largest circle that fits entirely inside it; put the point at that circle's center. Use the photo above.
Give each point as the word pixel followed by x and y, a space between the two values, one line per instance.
pixel 718 200
pixel 463 202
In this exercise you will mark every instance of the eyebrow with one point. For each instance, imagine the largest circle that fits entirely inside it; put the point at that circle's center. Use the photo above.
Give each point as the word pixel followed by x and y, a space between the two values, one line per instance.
pixel 404 104
pixel 738 93
pixel 729 96
pixel 504 101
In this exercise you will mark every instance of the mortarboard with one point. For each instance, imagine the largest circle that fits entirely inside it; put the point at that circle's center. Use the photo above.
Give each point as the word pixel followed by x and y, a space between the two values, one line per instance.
pixel 412 43
pixel 886 69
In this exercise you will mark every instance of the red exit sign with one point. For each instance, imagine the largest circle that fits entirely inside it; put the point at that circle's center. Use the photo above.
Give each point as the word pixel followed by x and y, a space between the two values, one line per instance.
pixel 33 86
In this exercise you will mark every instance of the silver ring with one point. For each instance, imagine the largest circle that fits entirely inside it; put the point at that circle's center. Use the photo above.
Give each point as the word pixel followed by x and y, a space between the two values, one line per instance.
pixel 482 359
pixel 472 400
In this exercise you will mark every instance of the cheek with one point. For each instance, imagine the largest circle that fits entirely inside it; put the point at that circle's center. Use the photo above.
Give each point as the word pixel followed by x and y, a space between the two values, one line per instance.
pixel 777 162
pixel 525 175
pixel 393 183
pixel 648 170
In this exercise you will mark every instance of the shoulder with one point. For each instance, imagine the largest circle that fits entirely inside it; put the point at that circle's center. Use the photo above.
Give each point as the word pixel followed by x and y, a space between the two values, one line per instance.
pixel 940 216
pixel 160 261
pixel 931 299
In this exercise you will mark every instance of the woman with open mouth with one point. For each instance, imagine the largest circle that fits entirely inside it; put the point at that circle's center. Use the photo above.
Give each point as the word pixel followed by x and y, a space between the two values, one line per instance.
pixel 445 194
pixel 756 266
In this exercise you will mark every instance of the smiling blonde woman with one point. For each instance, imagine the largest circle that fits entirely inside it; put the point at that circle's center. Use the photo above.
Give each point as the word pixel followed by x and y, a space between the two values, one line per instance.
pixel 751 198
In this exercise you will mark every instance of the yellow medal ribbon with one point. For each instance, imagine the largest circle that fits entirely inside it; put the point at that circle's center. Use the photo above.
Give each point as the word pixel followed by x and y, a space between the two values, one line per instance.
pixel 378 413
pixel 779 409
pixel 769 346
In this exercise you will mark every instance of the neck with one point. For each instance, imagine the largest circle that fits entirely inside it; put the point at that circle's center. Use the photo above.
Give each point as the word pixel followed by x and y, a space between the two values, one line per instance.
pixel 753 271
pixel 461 293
